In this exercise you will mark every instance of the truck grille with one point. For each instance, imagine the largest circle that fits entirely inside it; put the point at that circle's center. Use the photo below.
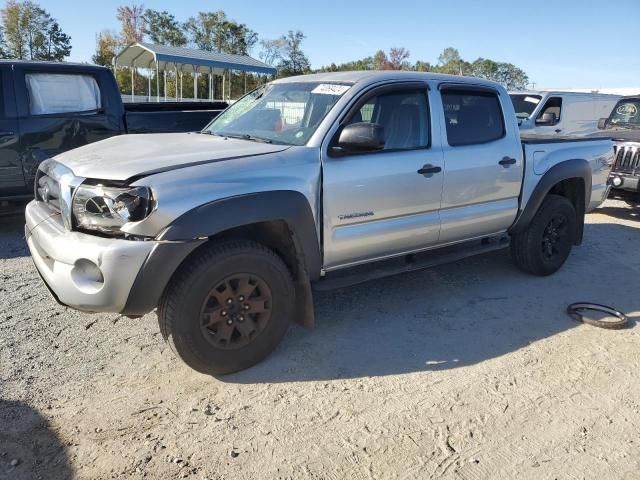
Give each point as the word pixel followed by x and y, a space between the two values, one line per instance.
pixel 627 159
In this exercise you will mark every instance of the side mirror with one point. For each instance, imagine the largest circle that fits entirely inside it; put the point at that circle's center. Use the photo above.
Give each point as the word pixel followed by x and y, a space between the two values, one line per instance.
pixel 602 123
pixel 548 118
pixel 360 138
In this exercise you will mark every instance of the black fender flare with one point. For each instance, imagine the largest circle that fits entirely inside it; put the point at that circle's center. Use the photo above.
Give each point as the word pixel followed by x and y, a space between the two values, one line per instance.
pixel 574 168
pixel 215 217
pixel 193 228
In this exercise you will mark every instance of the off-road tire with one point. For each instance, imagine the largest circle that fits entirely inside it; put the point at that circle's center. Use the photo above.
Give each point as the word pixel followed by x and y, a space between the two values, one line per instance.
pixel 528 247
pixel 180 310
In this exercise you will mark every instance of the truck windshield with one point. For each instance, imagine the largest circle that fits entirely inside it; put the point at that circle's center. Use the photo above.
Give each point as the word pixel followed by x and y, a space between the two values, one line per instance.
pixel 524 105
pixel 286 113
pixel 626 113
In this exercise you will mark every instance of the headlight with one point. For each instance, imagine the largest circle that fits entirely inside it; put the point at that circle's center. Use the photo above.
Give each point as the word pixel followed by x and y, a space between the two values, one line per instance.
pixel 106 209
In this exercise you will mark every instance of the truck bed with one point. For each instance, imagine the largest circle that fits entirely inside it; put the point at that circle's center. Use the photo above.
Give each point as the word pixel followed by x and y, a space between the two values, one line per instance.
pixel 537 139
pixel 542 153
pixel 165 117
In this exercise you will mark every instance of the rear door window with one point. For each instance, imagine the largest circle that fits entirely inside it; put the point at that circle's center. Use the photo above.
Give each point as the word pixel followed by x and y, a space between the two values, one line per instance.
pixel 472 117
pixel 59 93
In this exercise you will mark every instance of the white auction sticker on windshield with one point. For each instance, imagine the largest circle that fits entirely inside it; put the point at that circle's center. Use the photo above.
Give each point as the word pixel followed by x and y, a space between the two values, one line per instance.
pixel 532 100
pixel 330 89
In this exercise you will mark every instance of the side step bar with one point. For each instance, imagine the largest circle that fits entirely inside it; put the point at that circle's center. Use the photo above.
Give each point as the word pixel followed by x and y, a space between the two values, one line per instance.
pixel 409 263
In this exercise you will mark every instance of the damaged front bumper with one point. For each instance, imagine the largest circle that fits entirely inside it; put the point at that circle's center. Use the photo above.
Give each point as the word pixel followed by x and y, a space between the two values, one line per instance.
pixel 86 272
pixel 98 274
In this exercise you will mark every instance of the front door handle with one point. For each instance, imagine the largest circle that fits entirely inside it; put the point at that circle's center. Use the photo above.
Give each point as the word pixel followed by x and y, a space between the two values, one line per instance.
pixel 428 170
pixel 506 161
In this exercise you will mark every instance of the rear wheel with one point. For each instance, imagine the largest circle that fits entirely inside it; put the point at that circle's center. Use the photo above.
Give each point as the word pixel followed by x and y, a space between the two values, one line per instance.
pixel 546 243
pixel 227 307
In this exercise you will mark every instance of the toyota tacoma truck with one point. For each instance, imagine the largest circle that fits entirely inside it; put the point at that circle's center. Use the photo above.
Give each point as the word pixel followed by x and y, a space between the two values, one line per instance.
pixel 312 182
pixel 623 126
pixel 47 108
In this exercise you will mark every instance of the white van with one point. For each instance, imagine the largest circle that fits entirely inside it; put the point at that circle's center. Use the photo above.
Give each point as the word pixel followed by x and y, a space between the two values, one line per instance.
pixel 551 113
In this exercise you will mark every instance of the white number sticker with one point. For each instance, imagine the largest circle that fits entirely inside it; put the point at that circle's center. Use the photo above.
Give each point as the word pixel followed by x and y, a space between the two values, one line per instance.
pixel 532 100
pixel 330 89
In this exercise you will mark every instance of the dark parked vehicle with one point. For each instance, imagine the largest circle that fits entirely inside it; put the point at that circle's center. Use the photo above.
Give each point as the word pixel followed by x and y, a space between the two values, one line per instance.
pixel 623 126
pixel 47 108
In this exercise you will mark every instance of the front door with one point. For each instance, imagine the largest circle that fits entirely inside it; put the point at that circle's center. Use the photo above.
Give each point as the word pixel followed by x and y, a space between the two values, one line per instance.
pixel 378 204
pixel 554 109
pixel 11 175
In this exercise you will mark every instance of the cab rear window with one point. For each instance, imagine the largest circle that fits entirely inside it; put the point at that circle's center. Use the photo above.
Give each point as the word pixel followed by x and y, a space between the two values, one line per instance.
pixel 56 93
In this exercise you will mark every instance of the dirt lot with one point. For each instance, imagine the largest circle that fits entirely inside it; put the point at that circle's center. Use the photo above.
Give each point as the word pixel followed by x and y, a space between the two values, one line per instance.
pixel 466 371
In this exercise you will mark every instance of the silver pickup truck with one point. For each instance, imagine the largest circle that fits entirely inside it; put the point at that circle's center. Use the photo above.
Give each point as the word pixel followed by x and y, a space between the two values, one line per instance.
pixel 306 183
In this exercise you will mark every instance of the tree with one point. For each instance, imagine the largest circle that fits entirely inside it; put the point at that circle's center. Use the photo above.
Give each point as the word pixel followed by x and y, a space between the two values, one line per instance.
pixel 13 26
pixel 204 30
pixel 132 23
pixel 395 60
pixel 380 60
pixel 507 74
pixel 484 68
pixel 213 31
pixel 3 44
pixel 398 59
pixel 512 77
pixel 163 28
pixel 449 61
pixel 240 39
pixel 31 33
pixel 57 44
pixel 271 51
pixel 421 66
pixel 293 60
pixel 107 45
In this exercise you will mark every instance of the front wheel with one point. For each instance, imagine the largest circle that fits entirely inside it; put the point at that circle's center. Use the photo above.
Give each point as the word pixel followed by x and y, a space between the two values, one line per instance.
pixel 227 307
pixel 546 243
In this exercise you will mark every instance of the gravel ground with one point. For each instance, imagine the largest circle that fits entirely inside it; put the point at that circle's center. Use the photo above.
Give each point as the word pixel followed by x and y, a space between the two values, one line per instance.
pixel 465 371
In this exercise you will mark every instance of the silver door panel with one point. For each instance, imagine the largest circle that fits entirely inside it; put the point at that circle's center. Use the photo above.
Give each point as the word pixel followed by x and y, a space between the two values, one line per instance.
pixel 477 220
pixel 378 239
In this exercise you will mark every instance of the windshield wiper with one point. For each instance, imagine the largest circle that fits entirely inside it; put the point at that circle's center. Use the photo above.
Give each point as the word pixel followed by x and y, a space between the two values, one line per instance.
pixel 246 136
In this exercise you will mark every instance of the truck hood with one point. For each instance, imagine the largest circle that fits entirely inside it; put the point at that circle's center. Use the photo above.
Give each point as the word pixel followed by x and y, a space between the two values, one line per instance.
pixel 134 156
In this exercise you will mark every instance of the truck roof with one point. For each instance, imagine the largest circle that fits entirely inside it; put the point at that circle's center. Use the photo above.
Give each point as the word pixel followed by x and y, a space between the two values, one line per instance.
pixel 374 76
pixel 563 92
pixel 51 63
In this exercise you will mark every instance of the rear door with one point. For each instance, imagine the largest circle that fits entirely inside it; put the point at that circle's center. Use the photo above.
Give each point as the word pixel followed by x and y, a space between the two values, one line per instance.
pixel 60 108
pixel 484 165
pixel 12 180
pixel 378 204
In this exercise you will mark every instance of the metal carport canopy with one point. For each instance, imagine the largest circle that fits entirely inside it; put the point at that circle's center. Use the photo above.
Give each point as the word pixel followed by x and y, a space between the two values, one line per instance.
pixel 150 55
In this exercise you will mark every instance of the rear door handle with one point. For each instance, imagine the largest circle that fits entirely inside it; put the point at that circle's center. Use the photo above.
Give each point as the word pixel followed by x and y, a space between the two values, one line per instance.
pixel 428 170
pixel 506 161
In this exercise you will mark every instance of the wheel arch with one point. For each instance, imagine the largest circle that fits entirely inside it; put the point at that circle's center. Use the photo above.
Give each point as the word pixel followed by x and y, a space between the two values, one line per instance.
pixel 280 220
pixel 259 212
pixel 570 179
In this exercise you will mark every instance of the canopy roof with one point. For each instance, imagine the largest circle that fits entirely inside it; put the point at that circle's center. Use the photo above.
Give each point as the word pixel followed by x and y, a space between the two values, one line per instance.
pixel 146 55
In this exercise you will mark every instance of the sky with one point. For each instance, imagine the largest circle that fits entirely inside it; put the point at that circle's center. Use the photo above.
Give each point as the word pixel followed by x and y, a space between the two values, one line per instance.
pixel 559 44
